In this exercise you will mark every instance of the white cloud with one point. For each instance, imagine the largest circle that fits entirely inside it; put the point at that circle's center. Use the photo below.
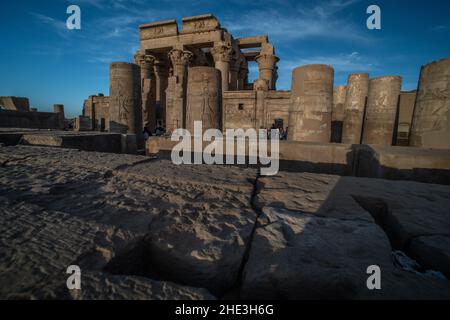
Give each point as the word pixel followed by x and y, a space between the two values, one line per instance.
pixel 343 65
pixel 58 26
pixel 324 20
pixel 344 62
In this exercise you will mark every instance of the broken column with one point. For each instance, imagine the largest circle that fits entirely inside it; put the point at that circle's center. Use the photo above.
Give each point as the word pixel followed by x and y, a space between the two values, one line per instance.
pixel 381 111
pixel 125 109
pixel 177 89
pixel 431 121
pixel 59 109
pixel 222 53
pixel 312 99
pixel 337 115
pixel 203 98
pixel 355 102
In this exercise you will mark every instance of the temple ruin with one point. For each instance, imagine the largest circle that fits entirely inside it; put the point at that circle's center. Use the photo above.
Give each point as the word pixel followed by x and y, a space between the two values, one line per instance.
pixel 363 181
pixel 180 69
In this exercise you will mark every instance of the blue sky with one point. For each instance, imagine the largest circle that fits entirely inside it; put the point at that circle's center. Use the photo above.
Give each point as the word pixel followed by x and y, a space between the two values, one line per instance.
pixel 43 60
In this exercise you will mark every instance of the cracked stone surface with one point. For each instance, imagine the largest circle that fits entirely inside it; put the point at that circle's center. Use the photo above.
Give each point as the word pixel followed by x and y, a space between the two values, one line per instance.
pixel 314 240
pixel 142 228
pixel 91 207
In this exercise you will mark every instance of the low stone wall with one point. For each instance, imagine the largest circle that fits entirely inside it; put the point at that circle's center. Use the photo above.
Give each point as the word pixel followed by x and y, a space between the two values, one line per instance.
pixel 89 142
pixel 383 162
pixel 24 119
pixel 403 163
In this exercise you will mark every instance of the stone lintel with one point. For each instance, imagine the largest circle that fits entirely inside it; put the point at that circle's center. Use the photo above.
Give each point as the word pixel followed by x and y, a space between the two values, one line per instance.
pixel 159 29
pixel 252 42
pixel 201 23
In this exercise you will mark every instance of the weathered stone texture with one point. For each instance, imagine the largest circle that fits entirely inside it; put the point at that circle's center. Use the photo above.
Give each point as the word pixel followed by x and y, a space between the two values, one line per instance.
pixel 142 228
pixel 125 113
pixel 339 94
pixel 202 224
pixel 203 98
pixel 312 102
pixel 381 111
pixel 355 102
pixel 405 114
pixel 431 123
pixel 317 235
pixel 15 103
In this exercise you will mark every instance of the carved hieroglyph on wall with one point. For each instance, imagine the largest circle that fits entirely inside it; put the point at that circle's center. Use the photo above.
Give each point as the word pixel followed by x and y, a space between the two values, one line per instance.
pixel 203 98
pixel 123 102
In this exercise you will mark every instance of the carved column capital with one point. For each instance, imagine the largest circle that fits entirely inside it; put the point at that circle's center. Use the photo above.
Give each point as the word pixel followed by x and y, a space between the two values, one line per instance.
pixel 180 57
pixel 267 61
pixel 222 51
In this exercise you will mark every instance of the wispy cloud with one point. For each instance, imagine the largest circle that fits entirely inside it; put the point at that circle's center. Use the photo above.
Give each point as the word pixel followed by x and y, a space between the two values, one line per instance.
pixel 58 26
pixel 344 62
pixel 441 28
pixel 324 20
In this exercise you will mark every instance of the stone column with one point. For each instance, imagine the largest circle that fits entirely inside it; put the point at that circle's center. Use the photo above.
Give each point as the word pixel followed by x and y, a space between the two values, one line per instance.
pixel 222 53
pixel 355 102
pixel 148 88
pixel 267 67
pixel 162 74
pixel 337 115
pixel 381 111
pixel 242 76
pixel 59 109
pixel 431 121
pixel 175 109
pixel 234 69
pixel 125 98
pixel 312 102
pixel 203 98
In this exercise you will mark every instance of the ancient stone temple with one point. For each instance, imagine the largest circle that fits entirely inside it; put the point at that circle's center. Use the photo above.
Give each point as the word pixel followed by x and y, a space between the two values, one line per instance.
pixel 199 72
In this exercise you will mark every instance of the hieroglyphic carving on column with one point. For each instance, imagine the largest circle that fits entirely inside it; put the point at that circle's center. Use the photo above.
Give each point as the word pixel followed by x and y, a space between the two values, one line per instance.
pixel 180 59
pixel 312 100
pixel 125 98
pixel 431 122
pixel 381 110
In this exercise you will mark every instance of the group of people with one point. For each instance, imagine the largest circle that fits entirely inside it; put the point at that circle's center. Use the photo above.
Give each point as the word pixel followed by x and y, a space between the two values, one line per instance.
pixel 281 133
pixel 159 131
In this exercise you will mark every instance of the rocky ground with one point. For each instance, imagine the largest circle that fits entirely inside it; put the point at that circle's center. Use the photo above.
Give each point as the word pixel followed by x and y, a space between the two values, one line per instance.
pixel 143 228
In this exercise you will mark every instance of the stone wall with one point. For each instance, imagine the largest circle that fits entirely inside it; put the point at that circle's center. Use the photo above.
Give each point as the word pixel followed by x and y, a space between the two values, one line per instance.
pixel 15 103
pixel 240 108
pixel 97 109
pixel 276 106
pixel 25 119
